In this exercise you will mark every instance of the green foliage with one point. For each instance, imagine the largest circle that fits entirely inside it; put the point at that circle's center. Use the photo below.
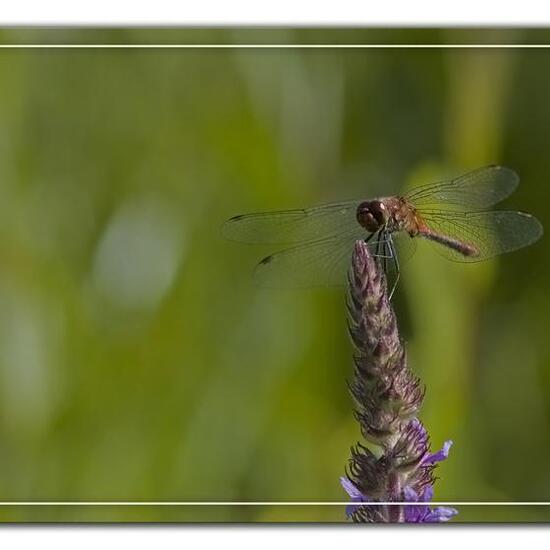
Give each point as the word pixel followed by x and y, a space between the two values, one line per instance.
pixel 137 360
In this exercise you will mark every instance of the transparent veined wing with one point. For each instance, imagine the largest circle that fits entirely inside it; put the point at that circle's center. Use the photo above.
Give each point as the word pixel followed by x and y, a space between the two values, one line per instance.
pixel 490 233
pixel 315 264
pixel 475 190
pixel 293 226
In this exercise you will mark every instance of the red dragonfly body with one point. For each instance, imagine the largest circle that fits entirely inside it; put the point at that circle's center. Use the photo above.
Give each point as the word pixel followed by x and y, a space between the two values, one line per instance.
pixel 399 214
pixel 452 214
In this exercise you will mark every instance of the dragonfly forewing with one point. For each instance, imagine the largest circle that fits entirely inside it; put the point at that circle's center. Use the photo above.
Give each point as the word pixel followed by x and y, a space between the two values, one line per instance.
pixel 293 226
pixel 473 191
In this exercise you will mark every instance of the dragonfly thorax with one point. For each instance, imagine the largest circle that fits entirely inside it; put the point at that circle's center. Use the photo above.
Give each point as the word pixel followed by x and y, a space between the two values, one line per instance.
pixel 372 215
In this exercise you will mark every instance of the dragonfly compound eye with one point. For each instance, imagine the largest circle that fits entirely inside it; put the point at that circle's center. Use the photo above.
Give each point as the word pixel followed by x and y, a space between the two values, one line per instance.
pixel 372 215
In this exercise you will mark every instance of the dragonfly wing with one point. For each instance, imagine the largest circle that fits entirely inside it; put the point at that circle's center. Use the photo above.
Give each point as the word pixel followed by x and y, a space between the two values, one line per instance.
pixel 319 263
pixel 293 226
pixel 475 190
pixel 490 233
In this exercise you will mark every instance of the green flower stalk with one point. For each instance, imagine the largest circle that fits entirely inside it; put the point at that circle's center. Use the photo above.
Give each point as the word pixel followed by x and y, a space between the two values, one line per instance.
pixel 387 397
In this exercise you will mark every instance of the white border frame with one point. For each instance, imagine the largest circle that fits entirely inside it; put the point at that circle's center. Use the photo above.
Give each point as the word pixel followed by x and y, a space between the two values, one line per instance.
pixel 348 13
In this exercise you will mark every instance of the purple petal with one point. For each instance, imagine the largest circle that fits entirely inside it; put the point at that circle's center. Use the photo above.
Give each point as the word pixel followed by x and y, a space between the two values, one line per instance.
pixel 353 492
pixel 441 514
pixel 440 455
pixel 428 494
pixel 423 513
pixel 416 514
pixel 410 494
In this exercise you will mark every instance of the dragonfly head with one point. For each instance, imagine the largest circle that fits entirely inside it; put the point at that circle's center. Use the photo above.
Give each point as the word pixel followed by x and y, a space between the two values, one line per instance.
pixel 372 215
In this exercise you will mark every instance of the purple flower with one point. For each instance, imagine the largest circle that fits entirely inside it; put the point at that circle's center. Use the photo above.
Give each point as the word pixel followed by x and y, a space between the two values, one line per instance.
pixel 413 514
pixel 423 513
pixel 387 397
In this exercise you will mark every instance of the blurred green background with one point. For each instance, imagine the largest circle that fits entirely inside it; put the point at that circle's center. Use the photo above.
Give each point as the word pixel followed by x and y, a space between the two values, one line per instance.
pixel 137 360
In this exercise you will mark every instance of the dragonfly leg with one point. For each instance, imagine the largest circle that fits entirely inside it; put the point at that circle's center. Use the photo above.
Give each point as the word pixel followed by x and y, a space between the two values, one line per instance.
pixel 378 253
pixel 376 243
pixel 382 250
pixel 383 246
pixel 395 263
pixel 369 237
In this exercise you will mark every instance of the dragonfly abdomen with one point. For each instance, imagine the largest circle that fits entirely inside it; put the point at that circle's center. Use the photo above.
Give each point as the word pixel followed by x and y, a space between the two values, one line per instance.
pixel 459 246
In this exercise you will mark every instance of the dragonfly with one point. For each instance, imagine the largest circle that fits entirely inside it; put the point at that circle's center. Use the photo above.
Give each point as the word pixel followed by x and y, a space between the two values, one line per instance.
pixel 453 215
